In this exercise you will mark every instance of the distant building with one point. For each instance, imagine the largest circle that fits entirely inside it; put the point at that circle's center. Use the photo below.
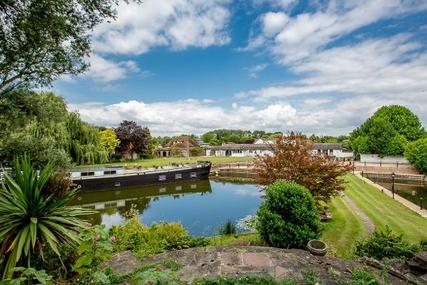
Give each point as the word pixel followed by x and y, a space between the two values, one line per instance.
pixel 180 146
pixel 263 141
pixel 266 148
pixel 239 150
pixel 331 149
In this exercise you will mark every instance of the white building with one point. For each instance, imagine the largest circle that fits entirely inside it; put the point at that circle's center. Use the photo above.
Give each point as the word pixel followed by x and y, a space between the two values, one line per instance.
pixel 240 150
pixel 331 149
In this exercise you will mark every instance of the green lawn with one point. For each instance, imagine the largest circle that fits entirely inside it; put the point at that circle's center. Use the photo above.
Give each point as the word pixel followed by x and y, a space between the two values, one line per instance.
pixel 344 229
pixel 383 210
pixel 169 160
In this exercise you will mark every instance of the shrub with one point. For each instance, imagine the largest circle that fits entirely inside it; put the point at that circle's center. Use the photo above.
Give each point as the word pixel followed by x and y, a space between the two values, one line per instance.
pixel 423 245
pixel 293 160
pixel 158 238
pixel 361 277
pixel 385 244
pixel 28 276
pixel 94 249
pixel 229 228
pixel 34 214
pixel 288 217
pixel 416 153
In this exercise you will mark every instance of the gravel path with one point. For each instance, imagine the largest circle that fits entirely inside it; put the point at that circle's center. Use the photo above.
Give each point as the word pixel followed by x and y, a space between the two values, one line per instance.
pixel 369 225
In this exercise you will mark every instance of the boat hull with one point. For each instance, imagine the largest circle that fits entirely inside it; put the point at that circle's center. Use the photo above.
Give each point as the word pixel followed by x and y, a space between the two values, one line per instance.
pixel 109 182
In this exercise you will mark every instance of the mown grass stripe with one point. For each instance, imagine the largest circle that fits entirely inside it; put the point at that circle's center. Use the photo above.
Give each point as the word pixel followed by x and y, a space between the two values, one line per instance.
pixel 383 210
pixel 345 228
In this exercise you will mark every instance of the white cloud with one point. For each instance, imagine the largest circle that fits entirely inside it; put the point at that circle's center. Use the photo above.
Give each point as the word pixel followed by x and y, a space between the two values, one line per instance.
pixel 194 116
pixel 343 84
pixel 254 70
pixel 273 22
pixel 104 70
pixel 174 23
pixel 303 34
pixel 387 68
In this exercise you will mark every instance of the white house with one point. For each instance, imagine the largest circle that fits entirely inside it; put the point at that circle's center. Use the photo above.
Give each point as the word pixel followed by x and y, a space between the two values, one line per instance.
pixel 331 149
pixel 239 150
pixel 258 148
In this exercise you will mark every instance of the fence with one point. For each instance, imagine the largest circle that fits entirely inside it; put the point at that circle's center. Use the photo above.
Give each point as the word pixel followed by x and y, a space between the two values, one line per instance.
pixel 403 178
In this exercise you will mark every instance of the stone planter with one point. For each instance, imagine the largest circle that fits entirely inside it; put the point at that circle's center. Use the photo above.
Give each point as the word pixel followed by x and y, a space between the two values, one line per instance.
pixel 317 247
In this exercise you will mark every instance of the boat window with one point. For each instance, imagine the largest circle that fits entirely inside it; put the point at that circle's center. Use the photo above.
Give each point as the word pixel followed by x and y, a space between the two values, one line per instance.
pixel 162 177
pixel 193 174
pixel 178 176
pixel 90 173
pixel 110 172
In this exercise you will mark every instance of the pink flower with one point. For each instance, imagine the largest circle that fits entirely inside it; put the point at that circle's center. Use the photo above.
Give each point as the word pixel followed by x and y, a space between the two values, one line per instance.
pixel 112 238
pixel 97 237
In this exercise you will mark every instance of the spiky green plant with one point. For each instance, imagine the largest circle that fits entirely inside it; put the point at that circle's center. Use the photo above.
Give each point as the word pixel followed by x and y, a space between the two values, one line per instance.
pixel 34 213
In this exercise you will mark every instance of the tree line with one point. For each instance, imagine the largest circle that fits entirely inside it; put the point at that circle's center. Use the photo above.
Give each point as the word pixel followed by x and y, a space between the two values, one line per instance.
pixel 40 126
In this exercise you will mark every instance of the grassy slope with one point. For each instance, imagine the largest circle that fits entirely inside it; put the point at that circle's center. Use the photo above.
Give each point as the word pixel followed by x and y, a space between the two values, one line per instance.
pixel 169 160
pixel 383 210
pixel 343 230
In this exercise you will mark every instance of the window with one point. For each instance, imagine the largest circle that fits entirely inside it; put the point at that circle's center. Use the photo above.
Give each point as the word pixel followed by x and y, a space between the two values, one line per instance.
pixel 193 175
pixel 162 177
pixel 91 173
pixel 109 172
pixel 178 176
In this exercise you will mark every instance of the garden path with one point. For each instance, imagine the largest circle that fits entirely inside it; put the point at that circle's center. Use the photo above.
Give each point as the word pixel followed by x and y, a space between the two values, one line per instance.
pixel 369 225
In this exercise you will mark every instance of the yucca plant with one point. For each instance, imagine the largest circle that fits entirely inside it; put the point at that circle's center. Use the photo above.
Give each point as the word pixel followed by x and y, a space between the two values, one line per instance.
pixel 34 213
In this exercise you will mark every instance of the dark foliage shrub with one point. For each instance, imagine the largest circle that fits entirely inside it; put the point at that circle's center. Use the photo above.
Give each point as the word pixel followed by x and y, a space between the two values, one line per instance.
pixel 288 217
pixel 386 244
pixel 423 245
pixel 229 228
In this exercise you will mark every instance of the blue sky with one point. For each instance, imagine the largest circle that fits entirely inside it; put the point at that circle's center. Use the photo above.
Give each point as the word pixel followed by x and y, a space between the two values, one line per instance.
pixel 188 66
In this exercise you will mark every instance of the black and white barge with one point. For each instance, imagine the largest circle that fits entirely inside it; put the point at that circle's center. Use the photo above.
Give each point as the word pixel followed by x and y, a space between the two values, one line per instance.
pixel 105 178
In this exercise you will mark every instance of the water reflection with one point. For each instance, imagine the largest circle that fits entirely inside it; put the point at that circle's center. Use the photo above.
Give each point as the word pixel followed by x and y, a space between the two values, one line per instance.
pixel 415 193
pixel 201 206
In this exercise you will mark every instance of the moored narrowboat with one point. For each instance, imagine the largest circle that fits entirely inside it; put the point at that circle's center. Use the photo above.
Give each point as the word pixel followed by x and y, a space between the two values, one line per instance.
pixel 104 178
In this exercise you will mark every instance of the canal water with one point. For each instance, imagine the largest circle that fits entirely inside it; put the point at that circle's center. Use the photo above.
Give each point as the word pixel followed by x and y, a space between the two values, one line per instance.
pixel 200 206
pixel 413 192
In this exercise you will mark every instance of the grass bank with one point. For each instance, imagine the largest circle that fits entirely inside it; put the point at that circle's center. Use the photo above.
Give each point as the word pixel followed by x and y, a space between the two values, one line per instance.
pixel 345 228
pixel 383 210
pixel 146 163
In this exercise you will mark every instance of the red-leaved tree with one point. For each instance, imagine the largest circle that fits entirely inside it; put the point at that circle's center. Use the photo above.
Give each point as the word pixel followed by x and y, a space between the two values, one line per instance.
pixel 293 160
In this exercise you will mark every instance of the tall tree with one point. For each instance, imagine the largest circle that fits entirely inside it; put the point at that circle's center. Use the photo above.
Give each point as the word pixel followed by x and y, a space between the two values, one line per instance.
pixel 416 153
pixel 133 138
pixel 43 39
pixel 387 131
pixel 39 125
pixel 293 160
pixel 108 140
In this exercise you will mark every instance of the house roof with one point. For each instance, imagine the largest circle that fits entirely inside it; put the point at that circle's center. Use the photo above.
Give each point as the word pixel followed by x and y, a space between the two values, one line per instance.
pixel 182 142
pixel 325 146
pixel 233 146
